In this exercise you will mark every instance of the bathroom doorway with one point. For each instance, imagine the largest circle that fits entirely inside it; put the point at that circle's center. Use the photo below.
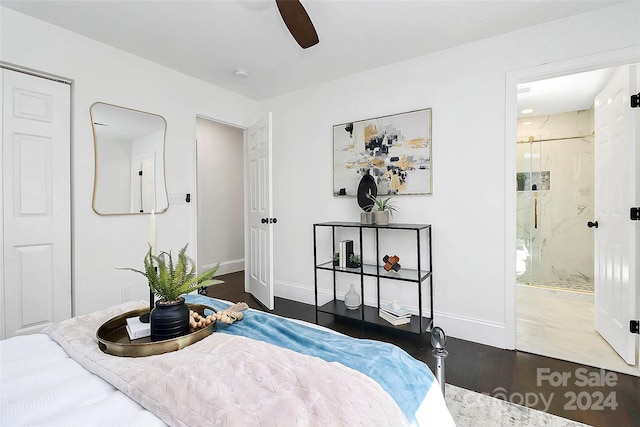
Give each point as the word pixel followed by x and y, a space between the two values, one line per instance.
pixel 555 211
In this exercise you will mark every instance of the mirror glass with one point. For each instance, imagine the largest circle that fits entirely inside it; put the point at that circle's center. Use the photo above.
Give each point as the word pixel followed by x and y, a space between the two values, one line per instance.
pixel 129 150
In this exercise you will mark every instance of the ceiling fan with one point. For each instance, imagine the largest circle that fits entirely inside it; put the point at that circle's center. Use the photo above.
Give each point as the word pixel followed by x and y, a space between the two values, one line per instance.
pixel 298 22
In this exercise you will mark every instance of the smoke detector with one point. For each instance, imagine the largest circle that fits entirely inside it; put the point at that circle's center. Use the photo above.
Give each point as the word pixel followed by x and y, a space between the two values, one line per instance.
pixel 241 72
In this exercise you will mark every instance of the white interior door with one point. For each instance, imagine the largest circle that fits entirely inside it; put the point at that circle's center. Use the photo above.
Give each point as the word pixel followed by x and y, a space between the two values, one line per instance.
pixel 615 254
pixel 36 196
pixel 259 206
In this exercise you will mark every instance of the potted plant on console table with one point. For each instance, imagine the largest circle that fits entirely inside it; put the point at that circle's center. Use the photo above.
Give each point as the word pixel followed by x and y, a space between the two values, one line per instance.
pixel 170 316
pixel 382 208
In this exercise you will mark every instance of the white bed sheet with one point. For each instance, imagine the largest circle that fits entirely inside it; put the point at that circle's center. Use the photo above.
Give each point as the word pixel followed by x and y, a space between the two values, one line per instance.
pixel 41 385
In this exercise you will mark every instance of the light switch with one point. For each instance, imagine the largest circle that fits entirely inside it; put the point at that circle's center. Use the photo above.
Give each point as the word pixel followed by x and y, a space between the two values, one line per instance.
pixel 177 198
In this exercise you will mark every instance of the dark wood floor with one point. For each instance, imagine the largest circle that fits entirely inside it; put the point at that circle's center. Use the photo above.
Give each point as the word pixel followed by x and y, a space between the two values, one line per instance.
pixel 588 395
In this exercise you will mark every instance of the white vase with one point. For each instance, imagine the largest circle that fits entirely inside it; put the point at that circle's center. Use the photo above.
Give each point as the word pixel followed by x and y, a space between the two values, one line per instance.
pixel 382 217
pixel 352 299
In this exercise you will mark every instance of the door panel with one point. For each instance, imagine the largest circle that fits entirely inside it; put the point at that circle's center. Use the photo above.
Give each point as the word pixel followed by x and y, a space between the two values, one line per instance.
pixel 36 203
pixel 259 281
pixel 615 278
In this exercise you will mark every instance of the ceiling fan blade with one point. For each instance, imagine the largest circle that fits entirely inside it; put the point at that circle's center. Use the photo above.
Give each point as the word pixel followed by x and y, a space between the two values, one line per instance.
pixel 298 22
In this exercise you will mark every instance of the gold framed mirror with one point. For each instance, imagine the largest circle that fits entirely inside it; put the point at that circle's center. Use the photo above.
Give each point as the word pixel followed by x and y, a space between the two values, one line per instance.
pixel 129 161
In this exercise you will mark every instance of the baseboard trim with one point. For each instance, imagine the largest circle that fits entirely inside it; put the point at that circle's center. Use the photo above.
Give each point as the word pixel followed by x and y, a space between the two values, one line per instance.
pixel 293 291
pixel 226 267
pixel 462 327
pixel 472 329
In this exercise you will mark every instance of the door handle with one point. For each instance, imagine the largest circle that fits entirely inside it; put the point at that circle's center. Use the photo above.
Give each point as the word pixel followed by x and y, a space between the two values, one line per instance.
pixel 592 224
pixel 264 220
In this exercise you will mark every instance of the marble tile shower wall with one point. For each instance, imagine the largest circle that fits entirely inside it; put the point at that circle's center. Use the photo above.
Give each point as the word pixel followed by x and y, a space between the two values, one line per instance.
pixel 559 245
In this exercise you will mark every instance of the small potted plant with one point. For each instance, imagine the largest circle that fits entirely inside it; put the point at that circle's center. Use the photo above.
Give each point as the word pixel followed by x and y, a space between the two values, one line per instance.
pixel 168 281
pixel 336 259
pixel 383 208
pixel 354 261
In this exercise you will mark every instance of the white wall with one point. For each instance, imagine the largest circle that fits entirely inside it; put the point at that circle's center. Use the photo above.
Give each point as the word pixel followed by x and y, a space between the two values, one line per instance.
pixel 220 178
pixel 465 86
pixel 101 73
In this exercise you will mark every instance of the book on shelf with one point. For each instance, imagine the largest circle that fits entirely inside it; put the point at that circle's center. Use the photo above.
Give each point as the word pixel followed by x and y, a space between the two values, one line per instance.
pixel 395 321
pixel 136 329
pixel 346 250
pixel 400 312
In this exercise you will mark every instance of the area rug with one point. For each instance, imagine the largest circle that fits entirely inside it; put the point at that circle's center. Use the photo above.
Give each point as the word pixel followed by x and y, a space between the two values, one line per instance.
pixel 469 408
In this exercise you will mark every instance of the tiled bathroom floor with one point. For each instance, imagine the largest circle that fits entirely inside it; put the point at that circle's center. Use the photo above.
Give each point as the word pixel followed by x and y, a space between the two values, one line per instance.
pixel 560 324
pixel 573 284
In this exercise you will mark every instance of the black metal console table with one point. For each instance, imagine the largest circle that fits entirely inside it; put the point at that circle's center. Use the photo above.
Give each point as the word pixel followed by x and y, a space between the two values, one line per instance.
pixel 369 315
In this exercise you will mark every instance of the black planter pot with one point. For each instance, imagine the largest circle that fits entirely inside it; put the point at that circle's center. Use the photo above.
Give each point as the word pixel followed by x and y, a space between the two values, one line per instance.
pixel 169 320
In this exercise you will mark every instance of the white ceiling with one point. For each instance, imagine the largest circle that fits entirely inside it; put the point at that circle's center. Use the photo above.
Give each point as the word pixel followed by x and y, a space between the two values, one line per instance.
pixel 210 39
pixel 561 94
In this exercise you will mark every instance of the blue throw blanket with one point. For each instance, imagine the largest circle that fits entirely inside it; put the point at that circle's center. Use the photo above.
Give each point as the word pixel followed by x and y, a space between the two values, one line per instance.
pixel 406 379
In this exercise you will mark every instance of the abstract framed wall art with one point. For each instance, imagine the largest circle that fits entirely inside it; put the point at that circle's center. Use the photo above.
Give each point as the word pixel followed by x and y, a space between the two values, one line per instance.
pixel 395 150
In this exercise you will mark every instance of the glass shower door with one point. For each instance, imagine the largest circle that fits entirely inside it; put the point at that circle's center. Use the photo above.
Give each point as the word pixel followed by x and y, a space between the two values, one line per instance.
pixel 529 178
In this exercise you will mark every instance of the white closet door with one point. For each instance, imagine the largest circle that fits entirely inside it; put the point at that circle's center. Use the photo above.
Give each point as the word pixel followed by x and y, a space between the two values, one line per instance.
pixel 36 203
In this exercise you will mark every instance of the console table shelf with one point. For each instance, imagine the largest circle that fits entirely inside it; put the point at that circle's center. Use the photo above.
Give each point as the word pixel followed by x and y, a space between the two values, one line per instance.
pixel 405 274
pixel 366 314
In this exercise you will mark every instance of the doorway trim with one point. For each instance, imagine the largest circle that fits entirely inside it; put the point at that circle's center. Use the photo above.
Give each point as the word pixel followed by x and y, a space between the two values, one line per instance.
pixel 513 78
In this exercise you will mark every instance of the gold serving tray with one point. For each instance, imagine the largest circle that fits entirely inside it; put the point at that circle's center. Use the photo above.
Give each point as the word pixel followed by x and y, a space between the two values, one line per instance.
pixel 113 337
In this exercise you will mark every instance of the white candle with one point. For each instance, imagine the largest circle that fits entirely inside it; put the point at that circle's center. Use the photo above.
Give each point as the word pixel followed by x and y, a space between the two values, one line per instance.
pixel 152 232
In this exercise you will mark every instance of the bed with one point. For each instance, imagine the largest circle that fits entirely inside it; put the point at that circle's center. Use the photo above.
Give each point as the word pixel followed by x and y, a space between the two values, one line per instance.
pixel 262 370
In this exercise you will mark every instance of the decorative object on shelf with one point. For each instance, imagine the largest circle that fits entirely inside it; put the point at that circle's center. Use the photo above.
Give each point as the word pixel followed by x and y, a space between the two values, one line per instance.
pixel 395 150
pixel 383 208
pixel 170 317
pixel 391 263
pixel 395 321
pixel 396 309
pixel 394 313
pixel 346 250
pixel 354 261
pixel 367 189
pixel 352 299
pixel 336 259
pixel 367 218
